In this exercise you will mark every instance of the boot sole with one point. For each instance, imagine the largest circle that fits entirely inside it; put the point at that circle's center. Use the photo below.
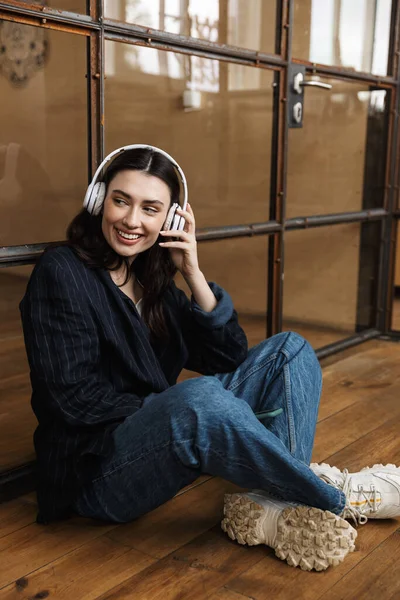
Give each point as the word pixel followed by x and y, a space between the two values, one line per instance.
pixel 318 469
pixel 389 468
pixel 308 538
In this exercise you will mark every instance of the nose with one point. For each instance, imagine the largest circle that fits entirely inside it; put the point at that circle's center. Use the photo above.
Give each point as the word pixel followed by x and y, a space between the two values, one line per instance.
pixel 131 219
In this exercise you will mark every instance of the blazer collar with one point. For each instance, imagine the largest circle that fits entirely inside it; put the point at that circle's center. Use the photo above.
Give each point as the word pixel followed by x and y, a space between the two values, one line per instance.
pixel 133 319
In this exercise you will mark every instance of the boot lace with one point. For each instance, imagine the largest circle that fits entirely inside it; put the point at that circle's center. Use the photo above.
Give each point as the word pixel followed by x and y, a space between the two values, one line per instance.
pixel 370 499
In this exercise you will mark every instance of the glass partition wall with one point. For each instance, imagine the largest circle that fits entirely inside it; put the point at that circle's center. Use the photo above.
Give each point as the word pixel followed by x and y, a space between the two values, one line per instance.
pixel 284 117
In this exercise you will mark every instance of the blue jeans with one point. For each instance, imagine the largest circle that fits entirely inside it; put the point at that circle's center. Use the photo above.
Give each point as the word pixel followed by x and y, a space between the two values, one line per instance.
pixel 210 425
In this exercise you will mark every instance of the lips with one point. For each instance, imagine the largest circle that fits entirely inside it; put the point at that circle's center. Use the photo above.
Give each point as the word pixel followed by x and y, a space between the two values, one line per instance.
pixel 126 241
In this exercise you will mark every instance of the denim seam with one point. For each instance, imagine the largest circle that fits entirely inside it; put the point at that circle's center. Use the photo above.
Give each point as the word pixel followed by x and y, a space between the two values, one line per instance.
pixel 342 502
pixel 288 394
pixel 340 506
pixel 247 466
pixel 126 462
pixel 291 358
pixel 253 370
pixel 280 492
pixel 264 363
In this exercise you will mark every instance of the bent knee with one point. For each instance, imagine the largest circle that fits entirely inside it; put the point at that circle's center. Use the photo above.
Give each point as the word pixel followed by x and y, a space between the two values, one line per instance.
pixel 302 348
pixel 295 341
pixel 207 395
pixel 289 344
pixel 199 391
pixel 199 386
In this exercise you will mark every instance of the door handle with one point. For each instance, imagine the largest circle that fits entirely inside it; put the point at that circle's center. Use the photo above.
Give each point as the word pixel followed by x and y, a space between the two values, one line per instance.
pixel 299 83
pixel 298 112
pixel 325 86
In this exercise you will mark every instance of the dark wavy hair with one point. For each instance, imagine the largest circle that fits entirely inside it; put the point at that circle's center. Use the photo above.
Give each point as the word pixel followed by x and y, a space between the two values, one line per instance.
pixel 153 267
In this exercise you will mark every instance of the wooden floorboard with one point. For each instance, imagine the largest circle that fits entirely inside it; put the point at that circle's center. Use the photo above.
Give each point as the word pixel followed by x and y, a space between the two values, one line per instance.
pixel 106 564
pixel 378 576
pixel 363 377
pixel 177 522
pixel 14 516
pixel 194 571
pixel 179 550
pixel 271 578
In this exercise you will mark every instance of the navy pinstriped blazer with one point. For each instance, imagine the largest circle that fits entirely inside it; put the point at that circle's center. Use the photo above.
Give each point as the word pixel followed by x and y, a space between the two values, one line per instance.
pixel 92 363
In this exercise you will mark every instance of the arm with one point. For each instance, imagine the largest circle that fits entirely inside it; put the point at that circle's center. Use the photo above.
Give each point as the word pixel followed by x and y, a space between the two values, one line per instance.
pixel 210 328
pixel 63 349
pixel 215 341
pixel 201 291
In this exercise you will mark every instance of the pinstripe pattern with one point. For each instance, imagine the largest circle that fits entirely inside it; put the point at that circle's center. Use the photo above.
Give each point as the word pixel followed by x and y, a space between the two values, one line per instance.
pixel 92 363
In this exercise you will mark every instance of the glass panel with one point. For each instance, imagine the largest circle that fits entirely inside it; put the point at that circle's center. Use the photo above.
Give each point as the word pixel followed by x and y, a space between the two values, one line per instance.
pixel 43 147
pixel 223 145
pixel 321 282
pixel 16 417
pixel 336 162
pixel 74 6
pixel 240 267
pixel 246 23
pixel 350 33
pixel 396 302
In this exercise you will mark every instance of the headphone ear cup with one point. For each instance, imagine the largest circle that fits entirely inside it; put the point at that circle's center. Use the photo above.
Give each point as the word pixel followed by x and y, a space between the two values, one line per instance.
pixel 97 198
pixel 175 222
pixel 168 223
pixel 179 223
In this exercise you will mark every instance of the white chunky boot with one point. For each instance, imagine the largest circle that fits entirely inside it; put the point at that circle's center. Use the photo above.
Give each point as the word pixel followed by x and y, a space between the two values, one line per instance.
pixel 303 536
pixel 372 493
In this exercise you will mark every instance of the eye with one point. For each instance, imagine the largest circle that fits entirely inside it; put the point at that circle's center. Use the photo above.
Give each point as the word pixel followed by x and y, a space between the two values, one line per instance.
pixel 149 209
pixel 119 201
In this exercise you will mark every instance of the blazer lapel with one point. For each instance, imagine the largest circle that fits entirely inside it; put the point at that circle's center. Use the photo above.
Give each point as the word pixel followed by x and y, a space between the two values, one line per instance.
pixel 135 326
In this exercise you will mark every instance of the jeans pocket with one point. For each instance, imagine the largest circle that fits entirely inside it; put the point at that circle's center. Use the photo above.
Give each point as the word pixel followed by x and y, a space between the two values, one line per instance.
pixel 269 413
pixel 280 421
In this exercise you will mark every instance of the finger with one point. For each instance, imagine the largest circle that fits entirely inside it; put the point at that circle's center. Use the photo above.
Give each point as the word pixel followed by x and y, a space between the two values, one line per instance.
pixel 186 215
pixel 175 233
pixel 178 233
pixel 190 224
pixel 178 245
pixel 190 209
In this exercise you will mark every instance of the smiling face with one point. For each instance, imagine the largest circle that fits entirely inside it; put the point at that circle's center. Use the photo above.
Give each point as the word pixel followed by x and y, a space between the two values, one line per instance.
pixel 135 209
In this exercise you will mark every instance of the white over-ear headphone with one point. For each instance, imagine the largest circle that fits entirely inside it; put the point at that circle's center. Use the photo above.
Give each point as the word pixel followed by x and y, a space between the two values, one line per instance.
pixel 96 192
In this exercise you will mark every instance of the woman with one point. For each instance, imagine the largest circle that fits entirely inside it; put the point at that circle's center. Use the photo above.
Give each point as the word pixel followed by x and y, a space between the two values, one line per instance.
pixel 107 334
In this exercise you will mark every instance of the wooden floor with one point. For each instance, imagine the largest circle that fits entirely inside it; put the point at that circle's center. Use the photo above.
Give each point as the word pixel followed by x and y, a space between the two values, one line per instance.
pixel 179 551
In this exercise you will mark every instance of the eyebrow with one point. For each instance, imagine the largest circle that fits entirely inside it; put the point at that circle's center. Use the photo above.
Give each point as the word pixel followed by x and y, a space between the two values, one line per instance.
pixel 128 197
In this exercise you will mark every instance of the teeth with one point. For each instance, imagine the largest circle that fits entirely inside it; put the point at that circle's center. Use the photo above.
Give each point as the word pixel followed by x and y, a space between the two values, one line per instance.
pixel 128 236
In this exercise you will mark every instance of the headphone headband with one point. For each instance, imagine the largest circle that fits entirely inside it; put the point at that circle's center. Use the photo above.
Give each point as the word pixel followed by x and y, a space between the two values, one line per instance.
pixel 110 157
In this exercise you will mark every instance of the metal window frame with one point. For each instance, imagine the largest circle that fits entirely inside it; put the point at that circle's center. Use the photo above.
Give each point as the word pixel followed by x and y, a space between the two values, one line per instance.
pixel 97 29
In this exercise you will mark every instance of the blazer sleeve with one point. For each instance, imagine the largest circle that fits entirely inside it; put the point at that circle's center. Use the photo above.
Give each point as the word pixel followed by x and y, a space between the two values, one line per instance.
pixel 63 349
pixel 215 341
